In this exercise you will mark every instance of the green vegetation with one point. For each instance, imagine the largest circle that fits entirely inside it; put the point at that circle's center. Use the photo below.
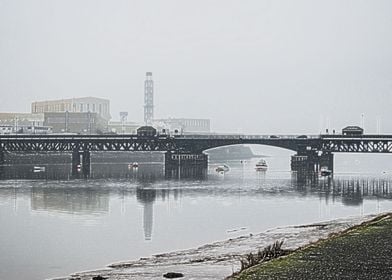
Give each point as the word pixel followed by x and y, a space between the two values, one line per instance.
pixel 268 253
pixel 362 252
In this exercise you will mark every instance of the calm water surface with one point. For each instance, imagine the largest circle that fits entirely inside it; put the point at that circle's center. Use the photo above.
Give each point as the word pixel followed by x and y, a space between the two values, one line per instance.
pixel 54 228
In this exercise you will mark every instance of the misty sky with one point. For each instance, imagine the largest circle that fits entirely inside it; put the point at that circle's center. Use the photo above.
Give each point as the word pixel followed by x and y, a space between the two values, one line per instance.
pixel 250 66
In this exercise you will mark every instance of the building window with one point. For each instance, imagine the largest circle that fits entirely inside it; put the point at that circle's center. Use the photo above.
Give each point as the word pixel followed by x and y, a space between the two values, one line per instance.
pixel 81 107
pixel 94 107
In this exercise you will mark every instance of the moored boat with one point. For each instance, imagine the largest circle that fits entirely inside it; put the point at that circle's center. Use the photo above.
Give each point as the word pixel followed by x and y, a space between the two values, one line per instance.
pixel 133 165
pixel 324 171
pixel 261 165
pixel 222 168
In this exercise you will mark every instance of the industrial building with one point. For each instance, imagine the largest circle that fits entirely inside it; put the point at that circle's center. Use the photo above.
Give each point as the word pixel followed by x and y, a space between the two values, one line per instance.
pixel 74 115
pixel 74 122
pixel 92 115
pixel 74 105
pixel 52 122
pixel 21 119
pixel 26 123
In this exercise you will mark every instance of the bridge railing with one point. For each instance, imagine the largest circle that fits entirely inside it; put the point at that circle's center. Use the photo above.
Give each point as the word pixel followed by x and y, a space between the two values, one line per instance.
pixel 352 137
pixel 55 137
pixel 249 136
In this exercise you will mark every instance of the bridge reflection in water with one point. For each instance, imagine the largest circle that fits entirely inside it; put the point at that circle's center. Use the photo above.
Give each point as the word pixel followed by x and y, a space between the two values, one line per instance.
pixel 351 191
pixel 94 199
pixel 80 201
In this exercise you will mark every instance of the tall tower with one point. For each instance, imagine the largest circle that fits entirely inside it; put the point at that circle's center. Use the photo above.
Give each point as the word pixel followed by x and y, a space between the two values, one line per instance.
pixel 148 99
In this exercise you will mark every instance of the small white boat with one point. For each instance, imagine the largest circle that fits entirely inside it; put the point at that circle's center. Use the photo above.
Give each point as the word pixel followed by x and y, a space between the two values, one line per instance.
pixel 39 169
pixel 222 168
pixel 261 165
pixel 324 171
pixel 133 165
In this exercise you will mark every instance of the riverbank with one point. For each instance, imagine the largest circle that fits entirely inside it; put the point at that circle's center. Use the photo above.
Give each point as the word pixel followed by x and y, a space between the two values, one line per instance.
pixel 362 252
pixel 220 259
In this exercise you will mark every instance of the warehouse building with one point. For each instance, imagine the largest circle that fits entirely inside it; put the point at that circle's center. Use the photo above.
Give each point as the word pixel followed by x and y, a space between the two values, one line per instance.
pixel 96 105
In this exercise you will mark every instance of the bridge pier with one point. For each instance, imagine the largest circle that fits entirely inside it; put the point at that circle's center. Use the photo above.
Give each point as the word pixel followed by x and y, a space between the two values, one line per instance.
pixel 311 162
pixel 185 165
pixel 2 156
pixel 81 164
pixel 326 159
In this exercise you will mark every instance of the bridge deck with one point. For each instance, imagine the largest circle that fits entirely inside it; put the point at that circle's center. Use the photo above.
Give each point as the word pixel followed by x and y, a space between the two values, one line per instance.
pixel 195 143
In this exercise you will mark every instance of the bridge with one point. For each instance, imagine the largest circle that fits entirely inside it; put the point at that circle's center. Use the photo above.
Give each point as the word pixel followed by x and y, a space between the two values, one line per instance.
pixel 312 151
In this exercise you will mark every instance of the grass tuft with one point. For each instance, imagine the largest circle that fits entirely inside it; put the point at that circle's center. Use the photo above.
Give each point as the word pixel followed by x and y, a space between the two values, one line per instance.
pixel 268 253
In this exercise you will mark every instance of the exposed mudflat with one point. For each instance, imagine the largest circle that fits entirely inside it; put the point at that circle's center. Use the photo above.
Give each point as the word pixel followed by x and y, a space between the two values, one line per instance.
pixel 219 259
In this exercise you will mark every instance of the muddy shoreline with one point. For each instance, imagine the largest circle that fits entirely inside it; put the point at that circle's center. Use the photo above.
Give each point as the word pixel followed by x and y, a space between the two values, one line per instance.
pixel 219 259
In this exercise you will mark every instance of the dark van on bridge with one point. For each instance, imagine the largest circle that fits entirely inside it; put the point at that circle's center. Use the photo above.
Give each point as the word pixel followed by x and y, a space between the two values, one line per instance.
pixel 146 131
pixel 352 131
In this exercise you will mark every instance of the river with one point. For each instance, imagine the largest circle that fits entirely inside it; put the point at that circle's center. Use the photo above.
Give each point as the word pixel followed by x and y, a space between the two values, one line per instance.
pixel 51 228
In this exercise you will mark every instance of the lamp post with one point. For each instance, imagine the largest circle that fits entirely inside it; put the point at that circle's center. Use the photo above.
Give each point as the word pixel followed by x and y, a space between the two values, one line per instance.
pixel 123 118
pixel 378 124
pixel 89 122
pixel 16 124
pixel 66 120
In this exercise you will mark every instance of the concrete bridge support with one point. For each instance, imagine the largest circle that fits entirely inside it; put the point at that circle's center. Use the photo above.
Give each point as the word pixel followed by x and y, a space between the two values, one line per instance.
pixel 185 165
pixel 81 164
pixel 326 160
pixel 2 161
pixel 311 162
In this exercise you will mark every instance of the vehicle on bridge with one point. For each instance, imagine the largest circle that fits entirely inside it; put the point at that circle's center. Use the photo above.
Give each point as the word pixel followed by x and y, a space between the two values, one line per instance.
pixel 38 130
pixel 6 129
pixel 149 131
pixel 352 131
pixel 146 131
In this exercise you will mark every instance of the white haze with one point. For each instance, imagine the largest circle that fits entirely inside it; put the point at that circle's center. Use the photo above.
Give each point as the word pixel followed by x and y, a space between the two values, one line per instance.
pixel 250 66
